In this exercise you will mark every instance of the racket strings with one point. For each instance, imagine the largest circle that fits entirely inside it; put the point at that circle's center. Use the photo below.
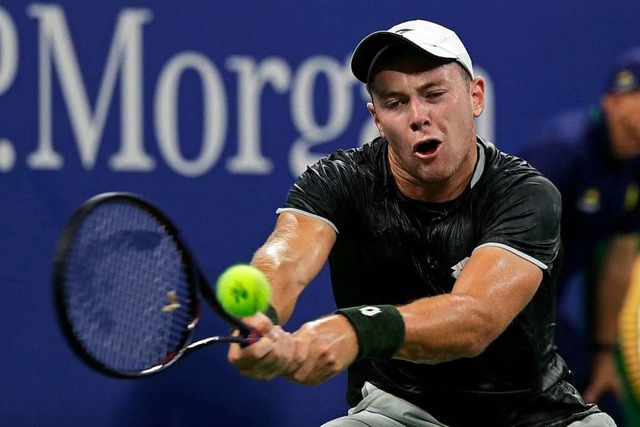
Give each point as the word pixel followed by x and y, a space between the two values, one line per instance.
pixel 128 296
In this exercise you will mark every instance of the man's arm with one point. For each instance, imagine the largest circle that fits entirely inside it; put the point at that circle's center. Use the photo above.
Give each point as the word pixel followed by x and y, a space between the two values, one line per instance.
pixel 292 256
pixel 494 286
pixel 613 284
pixel 611 289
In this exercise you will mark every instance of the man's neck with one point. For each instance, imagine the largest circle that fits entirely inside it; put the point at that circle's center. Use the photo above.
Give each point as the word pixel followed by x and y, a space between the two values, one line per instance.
pixel 438 192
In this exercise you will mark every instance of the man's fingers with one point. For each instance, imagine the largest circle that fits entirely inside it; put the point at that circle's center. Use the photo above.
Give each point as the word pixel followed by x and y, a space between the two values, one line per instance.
pixel 266 358
pixel 248 356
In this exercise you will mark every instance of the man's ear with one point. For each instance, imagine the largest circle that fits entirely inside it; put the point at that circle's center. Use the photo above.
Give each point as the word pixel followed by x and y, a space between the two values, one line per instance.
pixel 374 116
pixel 477 96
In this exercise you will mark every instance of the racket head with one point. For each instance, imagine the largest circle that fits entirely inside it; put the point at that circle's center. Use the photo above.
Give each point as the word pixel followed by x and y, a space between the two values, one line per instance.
pixel 125 286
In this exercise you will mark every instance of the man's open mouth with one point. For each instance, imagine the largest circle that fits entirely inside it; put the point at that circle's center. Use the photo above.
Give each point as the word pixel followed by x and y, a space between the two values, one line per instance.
pixel 427 147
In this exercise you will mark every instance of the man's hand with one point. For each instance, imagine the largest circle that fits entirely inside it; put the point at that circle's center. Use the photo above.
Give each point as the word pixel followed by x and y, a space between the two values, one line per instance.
pixel 323 348
pixel 319 350
pixel 270 356
pixel 604 378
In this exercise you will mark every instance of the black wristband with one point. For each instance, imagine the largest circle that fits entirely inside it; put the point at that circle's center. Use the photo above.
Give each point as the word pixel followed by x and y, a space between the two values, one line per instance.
pixel 379 329
pixel 272 314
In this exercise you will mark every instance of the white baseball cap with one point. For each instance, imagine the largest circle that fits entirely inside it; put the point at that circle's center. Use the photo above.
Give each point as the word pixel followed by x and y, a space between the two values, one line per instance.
pixel 431 38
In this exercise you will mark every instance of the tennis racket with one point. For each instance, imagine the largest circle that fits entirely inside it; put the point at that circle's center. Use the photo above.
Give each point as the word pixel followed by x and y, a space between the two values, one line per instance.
pixel 128 291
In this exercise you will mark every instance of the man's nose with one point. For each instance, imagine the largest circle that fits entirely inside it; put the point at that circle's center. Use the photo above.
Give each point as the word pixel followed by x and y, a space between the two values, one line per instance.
pixel 419 114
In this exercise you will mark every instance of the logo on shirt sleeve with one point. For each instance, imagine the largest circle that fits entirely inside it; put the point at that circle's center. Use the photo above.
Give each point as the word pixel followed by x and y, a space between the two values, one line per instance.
pixel 458 268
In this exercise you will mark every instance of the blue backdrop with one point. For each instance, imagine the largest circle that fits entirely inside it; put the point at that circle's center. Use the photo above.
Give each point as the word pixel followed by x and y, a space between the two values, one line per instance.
pixel 210 109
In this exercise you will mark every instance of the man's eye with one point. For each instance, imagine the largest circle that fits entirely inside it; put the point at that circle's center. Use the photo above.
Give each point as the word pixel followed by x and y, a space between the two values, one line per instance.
pixel 393 104
pixel 434 95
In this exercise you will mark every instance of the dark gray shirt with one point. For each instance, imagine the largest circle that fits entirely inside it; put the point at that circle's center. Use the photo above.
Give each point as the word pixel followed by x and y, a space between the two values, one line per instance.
pixel 392 250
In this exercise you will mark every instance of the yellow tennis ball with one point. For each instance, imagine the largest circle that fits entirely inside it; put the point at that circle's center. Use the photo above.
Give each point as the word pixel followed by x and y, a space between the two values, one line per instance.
pixel 243 290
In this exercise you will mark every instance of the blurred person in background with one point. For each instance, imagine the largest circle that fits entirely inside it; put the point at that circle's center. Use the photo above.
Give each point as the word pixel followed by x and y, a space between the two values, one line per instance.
pixel 593 158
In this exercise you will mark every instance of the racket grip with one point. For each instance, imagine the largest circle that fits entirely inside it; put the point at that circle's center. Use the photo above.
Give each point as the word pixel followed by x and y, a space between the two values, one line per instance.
pixel 251 336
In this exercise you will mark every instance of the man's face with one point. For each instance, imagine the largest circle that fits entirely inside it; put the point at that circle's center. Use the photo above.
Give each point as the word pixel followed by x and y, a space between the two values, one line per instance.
pixel 628 112
pixel 426 110
pixel 623 116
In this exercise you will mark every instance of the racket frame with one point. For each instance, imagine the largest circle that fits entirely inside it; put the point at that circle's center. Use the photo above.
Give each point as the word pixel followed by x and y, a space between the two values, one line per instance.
pixel 195 278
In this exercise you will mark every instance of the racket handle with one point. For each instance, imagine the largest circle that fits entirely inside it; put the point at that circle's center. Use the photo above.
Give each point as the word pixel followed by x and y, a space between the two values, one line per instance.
pixel 250 334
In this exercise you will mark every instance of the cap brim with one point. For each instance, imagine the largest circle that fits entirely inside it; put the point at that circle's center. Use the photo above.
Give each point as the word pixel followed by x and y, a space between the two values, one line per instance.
pixel 369 47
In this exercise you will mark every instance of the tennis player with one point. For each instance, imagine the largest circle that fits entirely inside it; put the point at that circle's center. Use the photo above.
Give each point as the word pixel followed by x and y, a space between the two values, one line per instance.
pixel 443 252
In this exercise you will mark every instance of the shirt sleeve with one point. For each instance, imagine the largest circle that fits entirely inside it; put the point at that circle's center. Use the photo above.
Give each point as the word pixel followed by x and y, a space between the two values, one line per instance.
pixel 322 190
pixel 525 219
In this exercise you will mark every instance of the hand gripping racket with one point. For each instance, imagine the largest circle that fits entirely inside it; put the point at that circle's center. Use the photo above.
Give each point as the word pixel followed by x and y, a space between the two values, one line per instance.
pixel 128 292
